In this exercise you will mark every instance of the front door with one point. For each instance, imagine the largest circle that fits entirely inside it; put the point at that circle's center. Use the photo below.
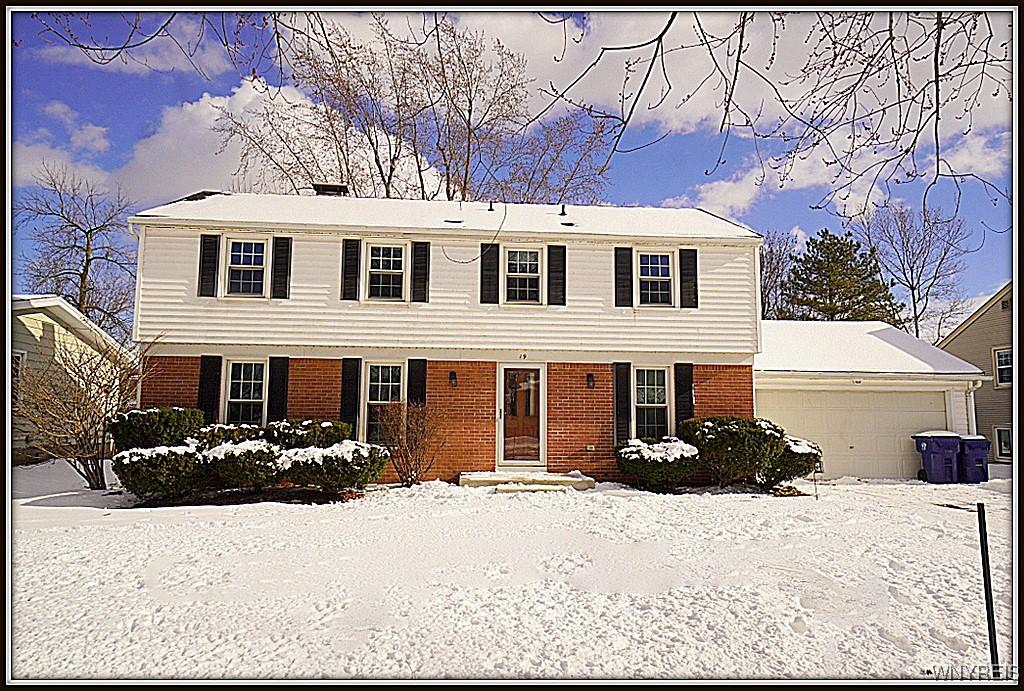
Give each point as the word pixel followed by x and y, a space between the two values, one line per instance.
pixel 521 414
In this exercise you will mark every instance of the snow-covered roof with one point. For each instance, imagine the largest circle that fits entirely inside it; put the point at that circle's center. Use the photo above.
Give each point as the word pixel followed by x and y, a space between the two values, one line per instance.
pixel 870 347
pixel 287 210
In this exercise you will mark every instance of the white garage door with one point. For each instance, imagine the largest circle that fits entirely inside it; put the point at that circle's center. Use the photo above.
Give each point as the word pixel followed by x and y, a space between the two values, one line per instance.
pixel 861 433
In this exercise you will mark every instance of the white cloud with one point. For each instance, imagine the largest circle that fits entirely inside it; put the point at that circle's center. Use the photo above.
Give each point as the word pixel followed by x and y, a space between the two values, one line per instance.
pixel 801 238
pixel 731 197
pixel 988 156
pixel 27 159
pixel 84 136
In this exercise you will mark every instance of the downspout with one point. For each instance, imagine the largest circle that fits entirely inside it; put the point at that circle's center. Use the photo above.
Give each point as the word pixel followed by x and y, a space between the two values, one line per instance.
pixel 972 425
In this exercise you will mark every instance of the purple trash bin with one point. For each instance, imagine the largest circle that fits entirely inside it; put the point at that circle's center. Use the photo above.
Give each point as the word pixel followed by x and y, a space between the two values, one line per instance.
pixel 972 465
pixel 938 449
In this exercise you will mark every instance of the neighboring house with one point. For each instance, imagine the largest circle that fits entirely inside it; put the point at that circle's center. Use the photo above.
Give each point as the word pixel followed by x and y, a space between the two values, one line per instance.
pixel 985 339
pixel 860 390
pixel 546 334
pixel 39 325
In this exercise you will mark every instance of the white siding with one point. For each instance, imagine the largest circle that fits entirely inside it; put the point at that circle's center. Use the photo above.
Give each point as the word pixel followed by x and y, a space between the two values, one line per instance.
pixel 169 310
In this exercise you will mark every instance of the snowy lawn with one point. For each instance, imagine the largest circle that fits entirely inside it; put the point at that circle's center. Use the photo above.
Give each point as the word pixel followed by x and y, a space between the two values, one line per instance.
pixel 873 579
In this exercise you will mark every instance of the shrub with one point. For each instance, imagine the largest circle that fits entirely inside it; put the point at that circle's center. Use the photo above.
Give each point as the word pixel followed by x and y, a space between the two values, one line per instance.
pixel 162 471
pixel 289 434
pixel 732 448
pixel 798 458
pixel 347 464
pixel 153 427
pixel 657 465
pixel 251 463
pixel 215 435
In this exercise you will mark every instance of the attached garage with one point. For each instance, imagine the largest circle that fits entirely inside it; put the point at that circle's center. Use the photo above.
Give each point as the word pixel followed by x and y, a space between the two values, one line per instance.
pixel 860 390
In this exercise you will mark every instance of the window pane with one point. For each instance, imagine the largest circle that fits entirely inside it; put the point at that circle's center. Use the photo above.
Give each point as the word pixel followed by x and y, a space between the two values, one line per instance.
pixel 1004 375
pixel 651 423
pixel 385 383
pixel 1004 443
pixel 1004 358
pixel 242 413
pixel 523 262
pixel 654 265
pixel 387 286
pixel 522 289
pixel 655 292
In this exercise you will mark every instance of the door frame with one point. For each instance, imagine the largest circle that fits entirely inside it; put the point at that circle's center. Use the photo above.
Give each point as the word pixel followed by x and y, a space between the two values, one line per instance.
pixel 499 416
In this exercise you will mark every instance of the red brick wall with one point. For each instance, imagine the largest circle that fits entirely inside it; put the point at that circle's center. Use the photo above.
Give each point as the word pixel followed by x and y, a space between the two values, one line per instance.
pixel 723 390
pixel 578 417
pixel 170 380
pixel 314 388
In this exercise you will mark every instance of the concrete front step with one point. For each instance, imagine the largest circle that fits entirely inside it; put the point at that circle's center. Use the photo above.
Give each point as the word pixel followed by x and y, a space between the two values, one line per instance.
pixel 513 488
pixel 574 480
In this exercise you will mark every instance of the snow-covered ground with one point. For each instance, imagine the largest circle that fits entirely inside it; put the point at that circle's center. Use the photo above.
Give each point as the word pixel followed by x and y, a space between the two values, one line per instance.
pixel 872 579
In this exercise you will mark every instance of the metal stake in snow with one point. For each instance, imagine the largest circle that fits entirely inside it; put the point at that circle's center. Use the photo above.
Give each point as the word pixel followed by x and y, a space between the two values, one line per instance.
pixel 987 578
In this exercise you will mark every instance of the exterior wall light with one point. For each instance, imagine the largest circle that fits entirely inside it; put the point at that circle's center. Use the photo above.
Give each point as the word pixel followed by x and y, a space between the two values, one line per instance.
pixel 590 380
pixel 453 378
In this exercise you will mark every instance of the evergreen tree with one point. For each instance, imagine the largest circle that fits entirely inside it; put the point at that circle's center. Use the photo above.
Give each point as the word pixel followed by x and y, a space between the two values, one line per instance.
pixel 836 279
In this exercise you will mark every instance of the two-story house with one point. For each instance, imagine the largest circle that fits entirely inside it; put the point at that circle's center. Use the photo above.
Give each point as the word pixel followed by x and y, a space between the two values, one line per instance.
pixel 544 333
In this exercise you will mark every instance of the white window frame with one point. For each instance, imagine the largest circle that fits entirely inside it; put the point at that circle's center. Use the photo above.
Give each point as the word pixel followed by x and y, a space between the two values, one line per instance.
pixel 541 269
pixel 672 275
pixel 365 402
pixel 16 381
pixel 225 262
pixel 226 387
pixel 995 367
pixel 669 399
pixel 995 442
pixel 406 273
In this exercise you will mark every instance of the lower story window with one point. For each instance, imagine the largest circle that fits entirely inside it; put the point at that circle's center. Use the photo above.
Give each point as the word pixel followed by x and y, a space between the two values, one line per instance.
pixel 385 386
pixel 1004 443
pixel 16 361
pixel 651 404
pixel 245 393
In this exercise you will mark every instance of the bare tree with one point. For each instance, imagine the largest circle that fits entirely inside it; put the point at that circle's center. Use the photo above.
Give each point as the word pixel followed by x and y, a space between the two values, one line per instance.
pixel 414 435
pixel 82 251
pixel 67 399
pixel 776 261
pixel 922 255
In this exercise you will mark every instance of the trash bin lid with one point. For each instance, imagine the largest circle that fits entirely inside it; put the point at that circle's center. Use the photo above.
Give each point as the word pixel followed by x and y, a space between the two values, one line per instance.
pixel 936 433
pixel 973 437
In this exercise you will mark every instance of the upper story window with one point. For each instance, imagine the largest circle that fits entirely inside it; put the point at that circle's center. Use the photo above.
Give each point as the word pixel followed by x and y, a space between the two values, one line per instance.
pixel 386 280
pixel 655 278
pixel 522 276
pixel 1003 366
pixel 246 267
pixel 651 403
pixel 245 397
pixel 384 386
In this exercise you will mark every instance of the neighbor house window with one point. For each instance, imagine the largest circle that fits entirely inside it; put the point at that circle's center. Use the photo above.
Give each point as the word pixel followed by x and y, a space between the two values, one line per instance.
pixel 385 386
pixel 245 393
pixel 522 276
pixel 1003 366
pixel 246 267
pixel 651 403
pixel 655 278
pixel 1004 443
pixel 387 272
pixel 16 362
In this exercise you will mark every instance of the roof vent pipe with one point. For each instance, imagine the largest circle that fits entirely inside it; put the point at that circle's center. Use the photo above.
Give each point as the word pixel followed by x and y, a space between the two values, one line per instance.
pixel 563 211
pixel 490 206
pixel 330 189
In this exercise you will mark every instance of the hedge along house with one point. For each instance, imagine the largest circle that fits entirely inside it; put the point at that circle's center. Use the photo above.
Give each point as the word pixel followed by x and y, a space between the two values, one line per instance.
pixel 545 334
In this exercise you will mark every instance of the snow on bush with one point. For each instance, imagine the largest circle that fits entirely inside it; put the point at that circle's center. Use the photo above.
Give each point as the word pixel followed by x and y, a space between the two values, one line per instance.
pixel 798 458
pixel 152 427
pixel 161 471
pixel 217 434
pixel 250 463
pixel 732 449
pixel 347 464
pixel 292 435
pixel 657 465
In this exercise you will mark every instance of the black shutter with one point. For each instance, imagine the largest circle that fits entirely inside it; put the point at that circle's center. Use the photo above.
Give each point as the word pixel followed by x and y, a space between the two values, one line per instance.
pixel 687 278
pixel 623 398
pixel 421 272
pixel 209 257
pixel 490 254
pixel 684 393
pixel 556 274
pixel 209 387
pixel 277 389
pixel 350 370
pixel 281 276
pixel 350 269
pixel 623 276
pixel 417 388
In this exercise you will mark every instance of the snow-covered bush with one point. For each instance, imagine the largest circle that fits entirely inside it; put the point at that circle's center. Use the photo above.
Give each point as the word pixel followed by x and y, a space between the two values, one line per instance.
pixel 151 427
pixel 345 465
pixel 733 448
pixel 289 434
pixel 657 465
pixel 798 458
pixel 251 463
pixel 162 471
pixel 214 435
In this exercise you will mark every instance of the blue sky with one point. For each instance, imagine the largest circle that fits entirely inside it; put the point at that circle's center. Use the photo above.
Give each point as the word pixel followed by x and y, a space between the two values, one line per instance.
pixel 144 128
